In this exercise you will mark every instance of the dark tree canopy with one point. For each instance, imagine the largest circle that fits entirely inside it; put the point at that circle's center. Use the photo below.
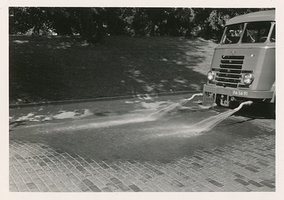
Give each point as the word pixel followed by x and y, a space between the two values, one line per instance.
pixel 92 23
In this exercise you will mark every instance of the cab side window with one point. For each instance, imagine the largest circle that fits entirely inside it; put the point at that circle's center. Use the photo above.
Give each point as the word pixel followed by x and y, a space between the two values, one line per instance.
pixel 273 36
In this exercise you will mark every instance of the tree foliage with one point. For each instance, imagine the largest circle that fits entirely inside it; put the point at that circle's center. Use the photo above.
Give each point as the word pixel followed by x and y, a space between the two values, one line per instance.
pixel 92 23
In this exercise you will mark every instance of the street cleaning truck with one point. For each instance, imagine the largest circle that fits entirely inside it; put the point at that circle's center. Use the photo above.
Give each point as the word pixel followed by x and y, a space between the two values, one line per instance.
pixel 243 65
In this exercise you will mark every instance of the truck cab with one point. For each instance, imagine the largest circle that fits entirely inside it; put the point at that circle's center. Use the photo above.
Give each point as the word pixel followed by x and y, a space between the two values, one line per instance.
pixel 243 65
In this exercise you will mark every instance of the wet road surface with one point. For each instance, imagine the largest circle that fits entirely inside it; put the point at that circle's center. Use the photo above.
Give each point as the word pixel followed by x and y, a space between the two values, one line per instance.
pixel 115 146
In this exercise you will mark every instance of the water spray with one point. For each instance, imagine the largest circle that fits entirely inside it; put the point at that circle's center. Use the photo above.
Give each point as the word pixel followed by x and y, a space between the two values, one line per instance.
pixel 208 124
pixel 173 106
pixel 203 126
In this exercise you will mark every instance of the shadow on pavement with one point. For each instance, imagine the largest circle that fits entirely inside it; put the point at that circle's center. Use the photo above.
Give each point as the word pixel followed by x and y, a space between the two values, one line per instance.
pixel 257 111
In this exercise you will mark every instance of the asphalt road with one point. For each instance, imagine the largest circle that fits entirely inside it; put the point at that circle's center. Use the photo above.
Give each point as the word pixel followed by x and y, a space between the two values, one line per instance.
pixel 120 145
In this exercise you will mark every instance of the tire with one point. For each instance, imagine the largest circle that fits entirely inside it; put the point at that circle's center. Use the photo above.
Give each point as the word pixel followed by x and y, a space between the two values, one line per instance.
pixel 218 102
pixel 272 110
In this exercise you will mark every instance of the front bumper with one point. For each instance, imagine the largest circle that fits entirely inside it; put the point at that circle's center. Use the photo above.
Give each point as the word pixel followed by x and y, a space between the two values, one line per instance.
pixel 213 91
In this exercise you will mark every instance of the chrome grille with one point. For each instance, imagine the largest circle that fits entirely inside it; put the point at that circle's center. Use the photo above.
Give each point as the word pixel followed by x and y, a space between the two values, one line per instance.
pixel 230 72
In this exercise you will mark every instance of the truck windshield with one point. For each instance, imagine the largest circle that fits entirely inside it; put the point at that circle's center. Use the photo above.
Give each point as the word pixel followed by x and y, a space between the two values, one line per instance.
pixel 256 32
pixel 233 34
pixel 253 32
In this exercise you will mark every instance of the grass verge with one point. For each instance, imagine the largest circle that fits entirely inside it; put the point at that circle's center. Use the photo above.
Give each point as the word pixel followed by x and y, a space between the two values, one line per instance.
pixel 64 68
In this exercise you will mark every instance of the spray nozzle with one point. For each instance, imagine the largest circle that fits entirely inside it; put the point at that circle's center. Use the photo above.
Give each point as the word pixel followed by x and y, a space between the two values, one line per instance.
pixel 244 103
pixel 194 95
pixel 198 94
pixel 247 103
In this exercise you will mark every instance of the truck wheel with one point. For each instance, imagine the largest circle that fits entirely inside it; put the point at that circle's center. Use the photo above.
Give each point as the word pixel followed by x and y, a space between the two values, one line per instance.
pixel 217 101
pixel 272 110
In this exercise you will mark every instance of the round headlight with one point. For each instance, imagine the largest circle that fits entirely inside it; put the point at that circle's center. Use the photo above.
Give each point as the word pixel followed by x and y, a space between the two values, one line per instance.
pixel 210 75
pixel 248 79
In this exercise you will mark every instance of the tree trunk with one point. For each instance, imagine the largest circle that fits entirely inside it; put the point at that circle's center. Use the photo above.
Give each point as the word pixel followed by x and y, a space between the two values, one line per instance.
pixel 87 24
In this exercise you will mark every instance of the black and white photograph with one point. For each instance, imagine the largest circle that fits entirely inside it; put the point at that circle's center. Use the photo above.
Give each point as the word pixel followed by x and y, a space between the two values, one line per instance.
pixel 148 99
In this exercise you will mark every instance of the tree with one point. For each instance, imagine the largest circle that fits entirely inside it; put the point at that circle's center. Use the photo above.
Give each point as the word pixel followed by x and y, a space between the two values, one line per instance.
pixel 64 21
pixel 23 19
pixel 93 23
pixel 115 23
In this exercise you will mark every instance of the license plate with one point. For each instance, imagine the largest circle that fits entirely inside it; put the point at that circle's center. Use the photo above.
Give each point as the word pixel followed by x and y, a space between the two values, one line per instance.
pixel 240 93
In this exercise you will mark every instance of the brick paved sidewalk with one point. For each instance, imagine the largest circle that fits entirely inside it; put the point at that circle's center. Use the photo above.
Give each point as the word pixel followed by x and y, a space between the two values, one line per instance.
pixel 248 165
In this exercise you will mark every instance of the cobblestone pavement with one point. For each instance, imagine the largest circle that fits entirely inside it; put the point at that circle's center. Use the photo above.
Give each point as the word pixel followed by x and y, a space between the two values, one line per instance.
pixel 248 165
pixel 73 160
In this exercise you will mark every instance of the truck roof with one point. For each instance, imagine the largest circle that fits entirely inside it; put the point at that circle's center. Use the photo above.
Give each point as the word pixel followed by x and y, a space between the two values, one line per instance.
pixel 268 15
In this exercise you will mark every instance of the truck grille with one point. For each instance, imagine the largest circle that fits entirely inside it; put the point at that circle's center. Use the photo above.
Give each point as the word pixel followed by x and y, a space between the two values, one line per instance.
pixel 230 72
